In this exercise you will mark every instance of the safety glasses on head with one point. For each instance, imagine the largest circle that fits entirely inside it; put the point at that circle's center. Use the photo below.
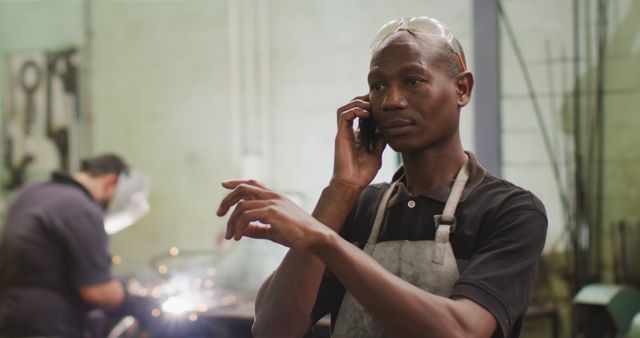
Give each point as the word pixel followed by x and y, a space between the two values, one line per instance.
pixel 421 25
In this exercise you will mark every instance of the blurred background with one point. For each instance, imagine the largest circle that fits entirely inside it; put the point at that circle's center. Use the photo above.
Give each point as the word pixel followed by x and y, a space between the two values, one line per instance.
pixel 197 91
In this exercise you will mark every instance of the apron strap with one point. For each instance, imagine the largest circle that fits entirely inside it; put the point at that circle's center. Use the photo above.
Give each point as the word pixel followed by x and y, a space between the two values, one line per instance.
pixel 446 222
pixel 382 207
pixel 440 247
pixel 448 215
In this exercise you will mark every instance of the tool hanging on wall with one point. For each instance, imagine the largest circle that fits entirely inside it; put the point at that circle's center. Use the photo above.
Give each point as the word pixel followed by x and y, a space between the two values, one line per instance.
pixel 39 128
pixel 29 80
pixel 60 65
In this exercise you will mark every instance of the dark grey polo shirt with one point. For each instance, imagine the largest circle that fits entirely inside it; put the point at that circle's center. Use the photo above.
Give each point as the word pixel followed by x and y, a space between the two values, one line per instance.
pixel 499 234
pixel 53 243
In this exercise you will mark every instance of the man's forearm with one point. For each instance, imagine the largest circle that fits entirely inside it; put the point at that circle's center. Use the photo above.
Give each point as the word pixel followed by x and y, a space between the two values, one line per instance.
pixel 107 296
pixel 403 308
pixel 285 301
pixel 287 297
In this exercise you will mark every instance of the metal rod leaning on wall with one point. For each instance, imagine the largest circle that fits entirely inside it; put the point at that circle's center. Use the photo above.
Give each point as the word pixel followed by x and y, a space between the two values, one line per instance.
pixel 536 107
pixel 560 142
pixel 600 121
pixel 590 116
pixel 552 96
pixel 577 136
pixel 86 123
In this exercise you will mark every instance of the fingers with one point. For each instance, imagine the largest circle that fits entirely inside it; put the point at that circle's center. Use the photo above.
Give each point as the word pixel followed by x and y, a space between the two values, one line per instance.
pixel 258 231
pixel 346 117
pixel 361 102
pixel 232 184
pixel 364 97
pixel 238 215
pixel 346 137
pixel 242 190
pixel 247 218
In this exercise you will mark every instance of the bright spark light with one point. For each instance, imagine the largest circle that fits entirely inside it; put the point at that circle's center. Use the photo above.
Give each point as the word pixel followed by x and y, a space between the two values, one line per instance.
pixel 176 305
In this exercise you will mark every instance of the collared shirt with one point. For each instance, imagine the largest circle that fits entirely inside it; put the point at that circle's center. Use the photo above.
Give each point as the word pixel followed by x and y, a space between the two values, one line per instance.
pixel 442 191
pixel 498 237
pixel 407 210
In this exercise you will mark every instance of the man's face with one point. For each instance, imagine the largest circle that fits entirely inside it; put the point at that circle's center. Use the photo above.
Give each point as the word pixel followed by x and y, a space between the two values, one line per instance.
pixel 108 183
pixel 414 101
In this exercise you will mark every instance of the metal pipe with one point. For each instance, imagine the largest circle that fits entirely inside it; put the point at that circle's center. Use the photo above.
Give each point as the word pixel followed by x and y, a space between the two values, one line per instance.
pixel 237 140
pixel 602 45
pixel 579 193
pixel 86 123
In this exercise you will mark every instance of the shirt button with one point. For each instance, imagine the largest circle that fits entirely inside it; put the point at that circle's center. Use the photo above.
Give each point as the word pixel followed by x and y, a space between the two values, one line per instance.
pixel 411 204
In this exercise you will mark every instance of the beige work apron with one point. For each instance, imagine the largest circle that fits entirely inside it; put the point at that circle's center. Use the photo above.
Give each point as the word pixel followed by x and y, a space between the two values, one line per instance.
pixel 429 265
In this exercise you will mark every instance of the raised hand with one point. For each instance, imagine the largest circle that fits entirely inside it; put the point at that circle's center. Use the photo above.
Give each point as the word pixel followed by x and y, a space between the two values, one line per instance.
pixel 264 214
pixel 352 164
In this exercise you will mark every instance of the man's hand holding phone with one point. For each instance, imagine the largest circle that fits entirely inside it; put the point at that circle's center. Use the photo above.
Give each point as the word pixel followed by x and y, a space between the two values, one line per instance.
pixel 353 164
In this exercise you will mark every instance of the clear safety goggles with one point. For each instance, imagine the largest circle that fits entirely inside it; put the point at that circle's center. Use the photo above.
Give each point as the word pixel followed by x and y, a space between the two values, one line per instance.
pixel 421 25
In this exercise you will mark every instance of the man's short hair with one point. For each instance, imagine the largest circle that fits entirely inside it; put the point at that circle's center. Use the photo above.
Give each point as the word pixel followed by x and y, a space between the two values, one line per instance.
pixel 103 165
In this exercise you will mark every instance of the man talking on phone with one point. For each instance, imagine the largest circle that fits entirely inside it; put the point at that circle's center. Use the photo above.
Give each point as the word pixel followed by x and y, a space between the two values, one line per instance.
pixel 444 250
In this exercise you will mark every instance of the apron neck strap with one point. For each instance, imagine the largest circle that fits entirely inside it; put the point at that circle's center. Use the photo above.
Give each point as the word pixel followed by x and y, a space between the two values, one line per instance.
pixel 382 207
pixel 448 215
pixel 449 208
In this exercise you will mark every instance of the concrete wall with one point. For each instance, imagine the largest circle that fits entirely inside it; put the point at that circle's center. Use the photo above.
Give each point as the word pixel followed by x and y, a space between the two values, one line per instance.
pixel 621 195
pixel 547 43
pixel 545 36
pixel 160 98
pixel 525 160
pixel 34 26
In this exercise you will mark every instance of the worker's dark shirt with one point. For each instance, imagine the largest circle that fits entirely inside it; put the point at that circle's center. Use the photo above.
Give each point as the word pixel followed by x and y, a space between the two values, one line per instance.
pixel 499 234
pixel 53 243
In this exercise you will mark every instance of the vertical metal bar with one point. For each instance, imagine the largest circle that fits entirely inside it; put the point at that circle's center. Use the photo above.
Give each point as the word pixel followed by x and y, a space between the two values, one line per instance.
pixel 234 86
pixel 251 115
pixel 589 139
pixel 577 125
pixel 600 121
pixel 487 84
pixel 264 73
pixel 86 122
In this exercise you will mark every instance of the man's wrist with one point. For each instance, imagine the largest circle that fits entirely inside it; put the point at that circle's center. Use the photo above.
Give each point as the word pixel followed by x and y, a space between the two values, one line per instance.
pixel 323 241
pixel 335 203
pixel 343 186
pixel 341 195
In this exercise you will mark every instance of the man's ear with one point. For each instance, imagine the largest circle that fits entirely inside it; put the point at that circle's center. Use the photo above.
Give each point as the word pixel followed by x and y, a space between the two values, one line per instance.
pixel 464 86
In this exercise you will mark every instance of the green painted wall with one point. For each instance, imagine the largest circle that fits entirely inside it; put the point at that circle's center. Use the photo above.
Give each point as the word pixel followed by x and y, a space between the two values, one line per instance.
pixel 27 26
pixel 161 99
pixel 622 122
pixel 546 40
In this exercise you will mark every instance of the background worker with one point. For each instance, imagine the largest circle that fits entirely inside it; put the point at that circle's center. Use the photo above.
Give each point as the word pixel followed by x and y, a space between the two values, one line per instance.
pixel 54 253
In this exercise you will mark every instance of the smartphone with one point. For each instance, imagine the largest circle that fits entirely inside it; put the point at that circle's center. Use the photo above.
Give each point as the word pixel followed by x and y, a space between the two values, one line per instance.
pixel 368 133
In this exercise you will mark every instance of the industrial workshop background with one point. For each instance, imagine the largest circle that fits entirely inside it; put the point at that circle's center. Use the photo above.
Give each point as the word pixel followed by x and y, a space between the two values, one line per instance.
pixel 197 91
